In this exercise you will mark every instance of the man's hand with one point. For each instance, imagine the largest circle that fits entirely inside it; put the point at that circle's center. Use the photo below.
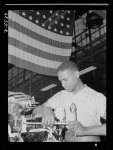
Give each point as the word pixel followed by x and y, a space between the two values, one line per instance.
pixel 46 114
pixel 48 117
pixel 77 128
pixel 38 111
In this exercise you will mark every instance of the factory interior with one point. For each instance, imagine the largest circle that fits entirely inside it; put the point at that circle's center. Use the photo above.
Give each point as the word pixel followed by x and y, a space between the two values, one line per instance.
pixel 32 88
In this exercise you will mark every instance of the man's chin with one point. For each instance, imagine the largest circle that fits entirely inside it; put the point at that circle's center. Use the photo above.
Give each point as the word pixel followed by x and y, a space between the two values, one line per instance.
pixel 68 90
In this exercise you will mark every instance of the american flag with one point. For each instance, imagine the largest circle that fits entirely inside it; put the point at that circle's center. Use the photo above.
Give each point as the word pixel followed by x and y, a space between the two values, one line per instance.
pixel 40 40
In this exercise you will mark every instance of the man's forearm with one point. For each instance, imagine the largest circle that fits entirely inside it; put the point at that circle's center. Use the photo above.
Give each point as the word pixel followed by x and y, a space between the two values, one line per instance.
pixel 41 110
pixel 96 130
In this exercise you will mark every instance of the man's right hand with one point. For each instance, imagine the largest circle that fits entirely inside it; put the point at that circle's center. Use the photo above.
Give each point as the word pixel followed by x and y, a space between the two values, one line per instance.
pixel 48 117
pixel 38 111
pixel 46 113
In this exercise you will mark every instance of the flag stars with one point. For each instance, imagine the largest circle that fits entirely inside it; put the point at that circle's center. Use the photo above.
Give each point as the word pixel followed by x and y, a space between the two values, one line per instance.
pixel 37 13
pixel 61 31
pixel 23 14
pixel 43 25
pixel 56 22
pixel 62 24
pixel 50 11
pixel 67 26
pixel 55 29
pixel 67 33
pixel 44 16
pixel 36 21
pixel 56 14
pixel 30 18
pixel 68 19
pixel 62 17
pixel 49 27
pixel 50 19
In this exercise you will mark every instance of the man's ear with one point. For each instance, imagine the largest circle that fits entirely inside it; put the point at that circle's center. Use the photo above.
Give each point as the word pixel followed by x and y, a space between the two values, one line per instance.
pixel 77 74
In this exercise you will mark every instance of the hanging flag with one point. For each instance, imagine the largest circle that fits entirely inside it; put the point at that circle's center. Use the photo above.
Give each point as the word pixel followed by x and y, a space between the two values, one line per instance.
pixel 40 40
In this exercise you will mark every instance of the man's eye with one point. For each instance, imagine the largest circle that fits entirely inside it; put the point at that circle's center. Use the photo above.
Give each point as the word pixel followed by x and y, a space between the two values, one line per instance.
pixel 65 80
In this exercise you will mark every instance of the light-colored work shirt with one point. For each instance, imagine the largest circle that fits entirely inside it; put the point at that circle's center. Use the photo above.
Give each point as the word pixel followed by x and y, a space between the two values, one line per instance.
pixel 90 106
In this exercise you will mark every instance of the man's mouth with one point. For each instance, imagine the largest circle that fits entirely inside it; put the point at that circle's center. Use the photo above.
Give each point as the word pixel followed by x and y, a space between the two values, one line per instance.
pixel 67 89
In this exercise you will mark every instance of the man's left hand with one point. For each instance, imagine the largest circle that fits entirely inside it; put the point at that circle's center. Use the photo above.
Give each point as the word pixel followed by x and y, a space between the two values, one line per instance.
pixel 78 128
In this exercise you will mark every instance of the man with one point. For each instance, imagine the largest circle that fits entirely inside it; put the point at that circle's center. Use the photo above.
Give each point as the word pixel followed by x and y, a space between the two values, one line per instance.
pixel 90 106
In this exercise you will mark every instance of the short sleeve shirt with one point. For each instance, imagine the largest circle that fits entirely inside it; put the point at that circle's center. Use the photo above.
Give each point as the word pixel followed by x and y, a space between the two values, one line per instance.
pixel 90 105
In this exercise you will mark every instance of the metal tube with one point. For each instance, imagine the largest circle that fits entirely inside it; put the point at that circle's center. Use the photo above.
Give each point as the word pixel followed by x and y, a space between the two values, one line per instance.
pixel 56 123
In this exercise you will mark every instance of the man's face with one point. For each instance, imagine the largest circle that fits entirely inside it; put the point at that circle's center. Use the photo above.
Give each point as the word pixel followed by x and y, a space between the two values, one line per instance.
pixel 68 79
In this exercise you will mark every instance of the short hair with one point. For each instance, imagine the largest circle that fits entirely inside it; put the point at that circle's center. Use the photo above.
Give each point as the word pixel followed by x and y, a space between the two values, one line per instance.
pixel 68 65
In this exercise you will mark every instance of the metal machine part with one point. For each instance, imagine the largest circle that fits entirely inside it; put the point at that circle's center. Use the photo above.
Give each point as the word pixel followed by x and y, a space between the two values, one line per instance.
pixel 19 102
pixel 22 127
pixel 29 129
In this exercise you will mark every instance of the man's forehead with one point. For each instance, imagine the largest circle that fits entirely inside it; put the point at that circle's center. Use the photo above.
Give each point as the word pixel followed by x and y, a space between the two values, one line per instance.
pixel 66 71
pixel 64 74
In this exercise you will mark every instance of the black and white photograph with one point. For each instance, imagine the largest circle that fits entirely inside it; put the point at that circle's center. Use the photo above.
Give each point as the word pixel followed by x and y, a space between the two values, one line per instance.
pixel 57 74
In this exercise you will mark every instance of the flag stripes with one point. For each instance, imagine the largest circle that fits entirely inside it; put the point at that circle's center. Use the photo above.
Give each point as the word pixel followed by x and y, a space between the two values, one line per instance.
pixel 30 66
pixel 35 48
pixel 37 52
